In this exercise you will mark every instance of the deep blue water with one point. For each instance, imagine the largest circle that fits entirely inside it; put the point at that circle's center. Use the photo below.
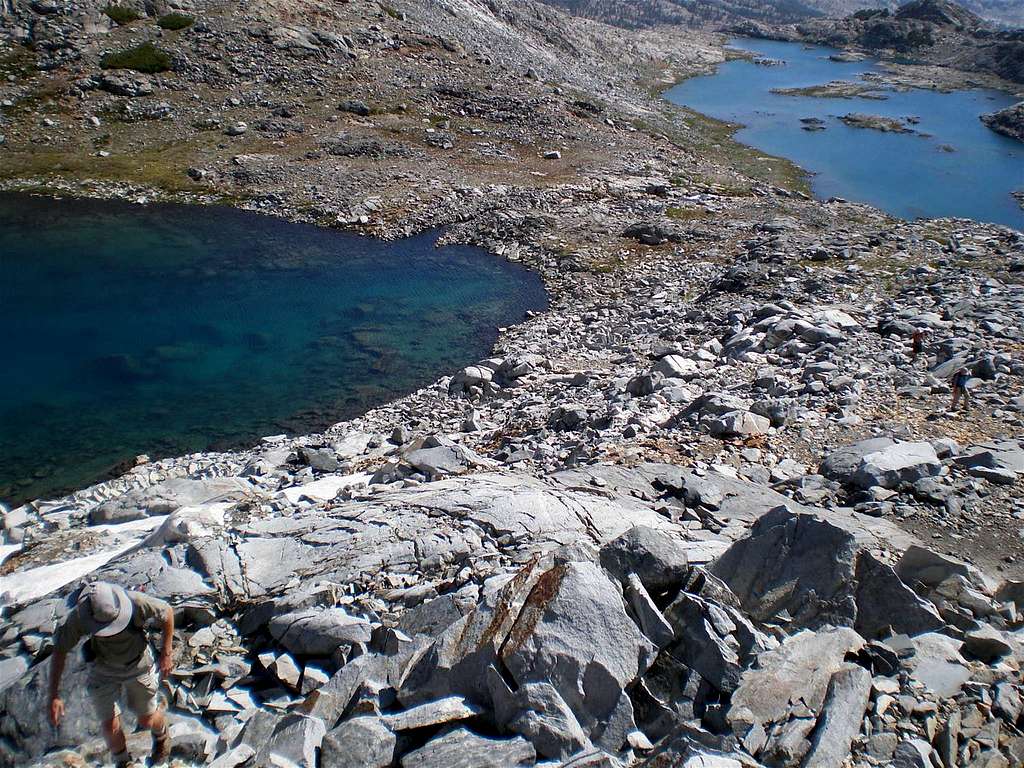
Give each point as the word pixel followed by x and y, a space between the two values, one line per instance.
pixel 167 329
pixel 907 175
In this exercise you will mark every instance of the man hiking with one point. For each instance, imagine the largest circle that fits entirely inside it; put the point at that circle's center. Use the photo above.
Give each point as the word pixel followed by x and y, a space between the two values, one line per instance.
pixel 917 340
pixel 960 391
pixel 122 665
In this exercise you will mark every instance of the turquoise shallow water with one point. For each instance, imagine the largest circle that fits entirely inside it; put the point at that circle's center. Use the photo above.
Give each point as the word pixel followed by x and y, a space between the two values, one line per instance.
pixel 169 329
pixel 907 175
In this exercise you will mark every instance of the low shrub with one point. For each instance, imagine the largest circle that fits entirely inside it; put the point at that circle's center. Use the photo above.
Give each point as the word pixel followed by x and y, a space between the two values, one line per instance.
pixel 121 14
pixel 142 58
pixel 175 21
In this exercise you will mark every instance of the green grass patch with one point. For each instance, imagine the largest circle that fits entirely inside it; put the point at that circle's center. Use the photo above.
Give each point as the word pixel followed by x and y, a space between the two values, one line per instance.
pixel 122 14
pixel 145 58
pixel 17 62
pixel 687 214
pixel 175 21
pixel 163 167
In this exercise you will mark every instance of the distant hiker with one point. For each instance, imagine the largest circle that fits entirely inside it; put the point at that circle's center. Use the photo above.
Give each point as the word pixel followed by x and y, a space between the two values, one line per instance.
pixel 917 342
pixel 960 391
pixel 121 666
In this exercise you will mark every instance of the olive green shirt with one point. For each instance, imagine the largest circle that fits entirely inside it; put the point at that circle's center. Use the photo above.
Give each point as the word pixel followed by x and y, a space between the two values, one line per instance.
pixel 127 648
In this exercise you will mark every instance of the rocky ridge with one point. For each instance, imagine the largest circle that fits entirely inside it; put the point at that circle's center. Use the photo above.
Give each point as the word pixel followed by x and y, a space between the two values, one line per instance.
pixel 708 509
pixel 921 32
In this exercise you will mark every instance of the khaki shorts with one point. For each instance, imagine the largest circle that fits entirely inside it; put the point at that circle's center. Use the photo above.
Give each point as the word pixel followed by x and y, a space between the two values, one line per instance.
pixel 138 690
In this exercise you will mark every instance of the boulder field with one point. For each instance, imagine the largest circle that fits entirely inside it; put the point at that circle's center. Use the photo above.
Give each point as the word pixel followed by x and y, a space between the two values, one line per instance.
pixel 602 616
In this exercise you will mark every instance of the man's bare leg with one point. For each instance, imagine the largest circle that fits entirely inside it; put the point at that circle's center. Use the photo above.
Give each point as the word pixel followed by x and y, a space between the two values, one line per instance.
pixel 114 736
pixel 156 723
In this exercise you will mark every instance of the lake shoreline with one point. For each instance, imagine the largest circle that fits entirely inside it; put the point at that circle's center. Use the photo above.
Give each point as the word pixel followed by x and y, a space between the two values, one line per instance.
pixel 816 81
pixel 163 353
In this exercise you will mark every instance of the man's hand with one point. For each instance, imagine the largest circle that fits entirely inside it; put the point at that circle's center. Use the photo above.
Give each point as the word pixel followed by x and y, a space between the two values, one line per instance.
pixel 56 710
pixel 166 664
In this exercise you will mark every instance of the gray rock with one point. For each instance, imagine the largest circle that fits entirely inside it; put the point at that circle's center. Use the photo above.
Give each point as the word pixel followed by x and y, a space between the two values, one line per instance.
pixel 361 742
pixel 843 462
pixel 446 710
pixel 793 562
pixel 841 718
pixel 676 367
pixel 881 746
pixel 11 670
pixel 330 700
pixel 462 749
pixel 538 713
pixel 316 632
pixel 650 620
pixel 457 661
pixel 1011 592
pixel 884 602
pixel 688 747
pixel 473 378
pixel 443 460
pixel 711 639
pixel 1003 454
pixel 574 633
pixel 1007 703
pixel 296 739
pixel 354 106
pixel 655 556
pixel 568 418
pixel 22 711
pixel 986 644
pixel 920 566
pixel 815 573
pixel 798 670
pixel 234 757
pixel 937 664
pixel 164 498
pixel 912 753
pixel 994 475
pixel 738 423
pixel 897 464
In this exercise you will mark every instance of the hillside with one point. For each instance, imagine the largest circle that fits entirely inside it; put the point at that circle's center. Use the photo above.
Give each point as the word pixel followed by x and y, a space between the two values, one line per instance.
pixel 713 506
pixel 931 32
pixel 649 13
pixel 643 13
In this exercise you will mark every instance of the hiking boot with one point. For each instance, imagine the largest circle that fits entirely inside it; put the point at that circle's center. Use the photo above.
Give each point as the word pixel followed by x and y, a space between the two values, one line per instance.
pixel 161 748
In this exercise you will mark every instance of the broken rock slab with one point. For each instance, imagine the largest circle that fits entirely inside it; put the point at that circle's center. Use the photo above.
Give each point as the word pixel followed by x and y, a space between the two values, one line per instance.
pixel 447 710
pixel 654 555
pixel 164 498
pixel 842 463
pixel 574 632
pixel 802 570
pixel 799 670
pixel 462 748
pixel 539 714
pixel 842 716
pixel 295 739
pixel 319 632
pixel 897 464
pixel 360 742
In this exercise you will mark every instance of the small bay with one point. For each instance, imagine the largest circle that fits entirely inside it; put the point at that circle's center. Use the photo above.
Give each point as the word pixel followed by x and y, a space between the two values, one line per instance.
pixel 166 329
pixel 947 163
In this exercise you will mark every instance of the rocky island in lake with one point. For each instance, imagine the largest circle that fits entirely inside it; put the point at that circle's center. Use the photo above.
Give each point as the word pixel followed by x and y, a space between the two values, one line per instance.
pixel 1009 121
pixel 627 433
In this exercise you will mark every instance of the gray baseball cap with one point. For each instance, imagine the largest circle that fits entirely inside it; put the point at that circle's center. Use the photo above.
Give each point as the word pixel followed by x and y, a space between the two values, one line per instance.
pixel 105 609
